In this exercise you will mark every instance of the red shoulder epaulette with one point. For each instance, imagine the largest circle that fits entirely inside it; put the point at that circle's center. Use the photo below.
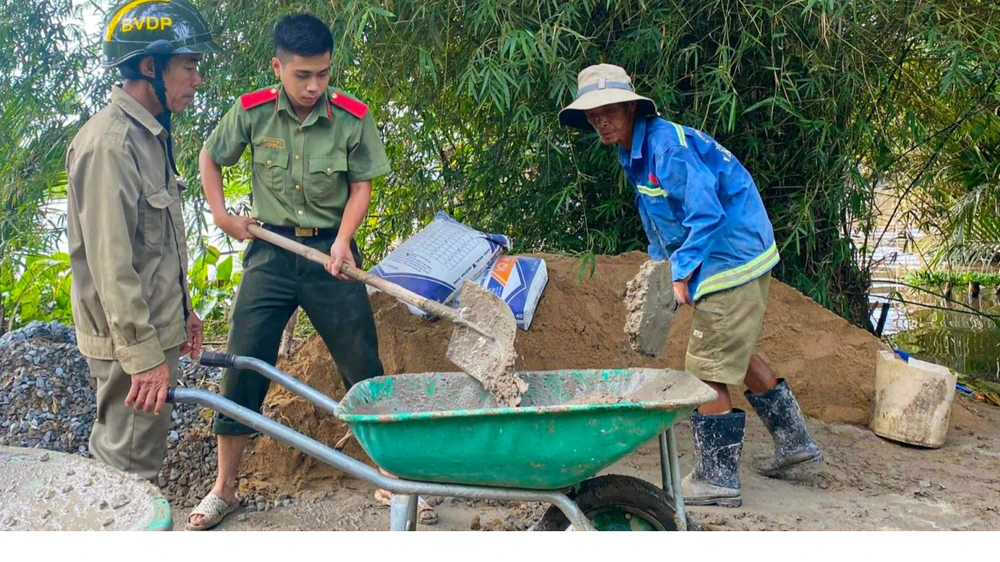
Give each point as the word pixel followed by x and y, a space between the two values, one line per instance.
pixel 356 108
pixel 253 99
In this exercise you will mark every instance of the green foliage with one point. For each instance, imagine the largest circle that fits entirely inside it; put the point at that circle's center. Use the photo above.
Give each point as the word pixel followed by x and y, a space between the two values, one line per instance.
pixel 42 292
pixel 942 133
pixel 956 278
pixel 43 65
pixel 822 100
pixel 212 284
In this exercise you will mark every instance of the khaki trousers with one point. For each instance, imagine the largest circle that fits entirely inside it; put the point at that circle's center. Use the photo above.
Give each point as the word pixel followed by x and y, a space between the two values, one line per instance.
pixel 128 440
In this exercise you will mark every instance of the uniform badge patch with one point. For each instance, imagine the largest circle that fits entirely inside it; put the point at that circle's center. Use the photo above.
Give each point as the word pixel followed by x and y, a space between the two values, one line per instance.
pixel 270 142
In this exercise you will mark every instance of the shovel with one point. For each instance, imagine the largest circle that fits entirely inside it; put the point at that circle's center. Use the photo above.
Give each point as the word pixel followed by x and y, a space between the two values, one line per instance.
pixel 650 308
pixel 482 344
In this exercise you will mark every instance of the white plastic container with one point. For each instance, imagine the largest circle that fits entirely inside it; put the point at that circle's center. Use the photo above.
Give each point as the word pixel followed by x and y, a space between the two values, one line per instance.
pixel 912 400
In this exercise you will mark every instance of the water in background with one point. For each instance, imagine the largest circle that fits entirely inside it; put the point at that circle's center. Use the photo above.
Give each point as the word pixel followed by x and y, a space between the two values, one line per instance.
pixel 950 334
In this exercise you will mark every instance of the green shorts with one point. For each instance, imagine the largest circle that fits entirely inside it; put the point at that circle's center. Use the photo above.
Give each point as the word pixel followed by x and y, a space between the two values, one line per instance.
pixel 724 332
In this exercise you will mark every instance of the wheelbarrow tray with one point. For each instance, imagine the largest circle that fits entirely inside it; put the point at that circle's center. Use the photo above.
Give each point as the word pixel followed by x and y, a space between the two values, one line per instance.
pixel 445 428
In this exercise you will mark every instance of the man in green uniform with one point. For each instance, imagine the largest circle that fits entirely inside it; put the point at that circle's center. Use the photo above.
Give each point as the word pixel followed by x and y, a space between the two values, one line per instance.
pixel 315 151
pixel 127 246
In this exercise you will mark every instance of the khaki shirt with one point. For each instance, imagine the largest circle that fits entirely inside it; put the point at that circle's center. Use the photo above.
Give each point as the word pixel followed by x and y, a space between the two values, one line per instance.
pixel 128 252
pixel 301 169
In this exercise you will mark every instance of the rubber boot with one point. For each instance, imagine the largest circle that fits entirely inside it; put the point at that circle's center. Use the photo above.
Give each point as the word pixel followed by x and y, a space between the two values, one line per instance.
pixel 781 415
pixel 718 446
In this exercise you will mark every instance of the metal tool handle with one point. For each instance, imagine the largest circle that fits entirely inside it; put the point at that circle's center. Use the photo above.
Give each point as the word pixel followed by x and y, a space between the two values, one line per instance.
pixel 293 384
pixel 387 287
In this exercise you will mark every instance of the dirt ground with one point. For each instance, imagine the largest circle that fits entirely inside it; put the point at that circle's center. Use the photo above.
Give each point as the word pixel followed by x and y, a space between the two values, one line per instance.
pixel 865 483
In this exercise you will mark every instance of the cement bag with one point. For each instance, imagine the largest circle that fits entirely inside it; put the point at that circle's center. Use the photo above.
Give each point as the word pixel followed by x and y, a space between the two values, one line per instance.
pixel 519 281
pixel 434 261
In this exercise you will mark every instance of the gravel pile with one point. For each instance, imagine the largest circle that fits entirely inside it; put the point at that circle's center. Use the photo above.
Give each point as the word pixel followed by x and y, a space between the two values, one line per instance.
pixel 189 467
pixel 46 391
pixel 47 400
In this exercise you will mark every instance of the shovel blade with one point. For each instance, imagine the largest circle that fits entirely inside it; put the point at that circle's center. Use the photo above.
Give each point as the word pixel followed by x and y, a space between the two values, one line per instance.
pixel 488 360
pixel 651 307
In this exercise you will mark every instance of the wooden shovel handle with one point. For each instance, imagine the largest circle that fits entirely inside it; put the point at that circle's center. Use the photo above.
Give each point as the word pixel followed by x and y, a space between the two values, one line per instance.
pixel 388 287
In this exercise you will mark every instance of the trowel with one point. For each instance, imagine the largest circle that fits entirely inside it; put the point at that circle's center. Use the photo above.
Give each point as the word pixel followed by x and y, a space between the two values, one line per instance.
pixel 482 344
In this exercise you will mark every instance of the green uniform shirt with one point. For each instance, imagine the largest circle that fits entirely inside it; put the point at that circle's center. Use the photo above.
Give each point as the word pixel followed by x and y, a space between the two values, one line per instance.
pixel 301 170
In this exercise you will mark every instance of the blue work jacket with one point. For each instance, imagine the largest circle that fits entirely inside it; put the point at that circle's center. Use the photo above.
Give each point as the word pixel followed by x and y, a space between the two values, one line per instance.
pixel 699 206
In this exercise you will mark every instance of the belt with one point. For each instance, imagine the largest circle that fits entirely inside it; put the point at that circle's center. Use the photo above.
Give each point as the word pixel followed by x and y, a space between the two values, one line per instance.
pixel 300 232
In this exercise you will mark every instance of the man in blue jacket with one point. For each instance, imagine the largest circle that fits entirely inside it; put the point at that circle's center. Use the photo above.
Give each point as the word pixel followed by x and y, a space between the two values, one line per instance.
pixel 702 212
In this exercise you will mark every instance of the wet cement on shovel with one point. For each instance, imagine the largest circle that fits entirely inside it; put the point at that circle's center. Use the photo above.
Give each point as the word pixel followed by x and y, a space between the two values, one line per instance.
pixel 490 361
pixel 650 307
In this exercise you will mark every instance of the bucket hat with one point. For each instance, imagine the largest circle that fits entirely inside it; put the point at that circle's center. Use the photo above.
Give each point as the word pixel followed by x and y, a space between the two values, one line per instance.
pixel 600 85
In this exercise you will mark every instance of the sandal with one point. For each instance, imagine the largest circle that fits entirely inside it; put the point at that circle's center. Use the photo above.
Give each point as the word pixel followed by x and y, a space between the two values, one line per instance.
pixel 214 508
pixel 383 497
pixel 425 512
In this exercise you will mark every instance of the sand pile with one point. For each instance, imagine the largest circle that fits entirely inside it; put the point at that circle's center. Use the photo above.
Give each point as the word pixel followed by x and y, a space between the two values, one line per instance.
pixel 829 363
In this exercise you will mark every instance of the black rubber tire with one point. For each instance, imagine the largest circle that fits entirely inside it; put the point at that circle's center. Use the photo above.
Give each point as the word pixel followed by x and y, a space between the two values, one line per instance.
pixel 631 495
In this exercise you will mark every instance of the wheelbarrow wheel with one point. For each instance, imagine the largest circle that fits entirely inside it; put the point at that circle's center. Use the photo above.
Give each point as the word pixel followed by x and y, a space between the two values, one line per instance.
pixel 616 503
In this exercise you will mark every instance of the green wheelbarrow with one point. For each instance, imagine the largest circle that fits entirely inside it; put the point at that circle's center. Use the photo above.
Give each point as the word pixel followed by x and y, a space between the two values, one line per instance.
pixel 442 434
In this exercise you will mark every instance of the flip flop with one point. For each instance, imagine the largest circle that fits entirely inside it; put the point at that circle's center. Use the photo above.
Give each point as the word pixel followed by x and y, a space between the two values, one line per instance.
pixel 214 508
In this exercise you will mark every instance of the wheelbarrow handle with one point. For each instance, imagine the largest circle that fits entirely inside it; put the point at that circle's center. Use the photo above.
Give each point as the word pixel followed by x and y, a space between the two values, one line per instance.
pixel 294 385
pixel 211 359
pixel 387 287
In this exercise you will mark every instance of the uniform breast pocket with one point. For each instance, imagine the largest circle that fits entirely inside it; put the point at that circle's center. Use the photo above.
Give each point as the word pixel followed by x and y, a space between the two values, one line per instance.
pixel 271 168
pixel 155 213
pixel 667 220
pixel 325 175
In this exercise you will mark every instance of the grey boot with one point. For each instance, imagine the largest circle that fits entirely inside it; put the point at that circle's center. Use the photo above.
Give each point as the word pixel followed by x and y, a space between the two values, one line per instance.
pixel 781 415
pixel 718 445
